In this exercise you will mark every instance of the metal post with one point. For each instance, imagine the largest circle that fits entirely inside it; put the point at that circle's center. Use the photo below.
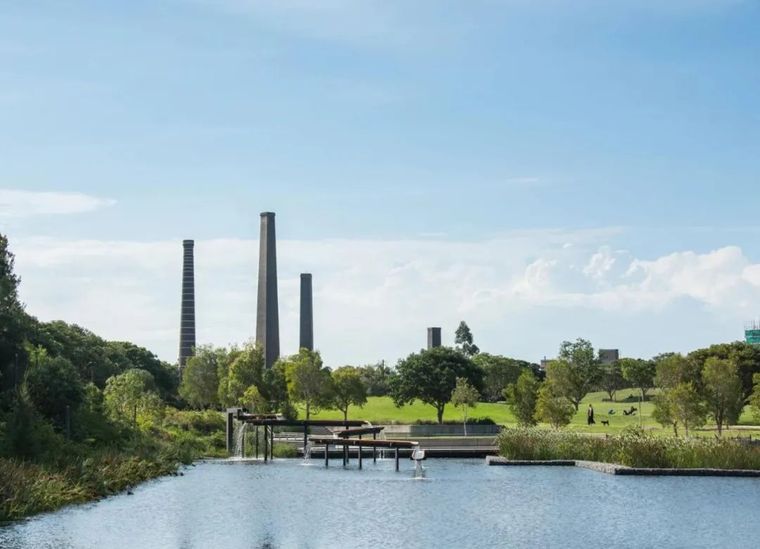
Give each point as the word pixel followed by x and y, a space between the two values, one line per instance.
pixel 374 449
pixel 397 459
pixel 327 455
pixel 266 450
pixel 345 451
pixel 257 442
pixel 360 456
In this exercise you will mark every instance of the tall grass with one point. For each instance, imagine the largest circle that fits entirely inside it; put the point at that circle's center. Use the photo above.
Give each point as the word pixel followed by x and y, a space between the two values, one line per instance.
pixel 62 472
pixel 633 447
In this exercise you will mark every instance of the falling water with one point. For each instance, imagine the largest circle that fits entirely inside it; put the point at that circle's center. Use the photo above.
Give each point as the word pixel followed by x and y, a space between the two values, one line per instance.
pixel 307 451
pixel 238 433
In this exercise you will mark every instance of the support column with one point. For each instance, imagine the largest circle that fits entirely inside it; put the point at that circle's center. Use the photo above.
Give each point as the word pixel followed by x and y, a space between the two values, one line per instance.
pixel 327 455
pixel 360 456
pixel 257 442
pixel 267 314
pixel 271 440
pixel 230 431
pixel 374 449
pixel 266 450
pixel 307 314
pixel 396 459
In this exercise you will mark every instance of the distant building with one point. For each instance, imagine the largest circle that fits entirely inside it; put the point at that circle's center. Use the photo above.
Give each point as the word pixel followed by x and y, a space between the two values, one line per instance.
pixel 544 363
pixel 752 332
pixel 608 356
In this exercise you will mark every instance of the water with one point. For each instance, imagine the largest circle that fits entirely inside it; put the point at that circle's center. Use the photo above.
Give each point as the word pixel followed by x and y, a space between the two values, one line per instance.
pixel 461 503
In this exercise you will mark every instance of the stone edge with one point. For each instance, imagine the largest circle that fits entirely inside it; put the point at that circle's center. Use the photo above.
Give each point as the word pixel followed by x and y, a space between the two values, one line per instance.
pixel 615 469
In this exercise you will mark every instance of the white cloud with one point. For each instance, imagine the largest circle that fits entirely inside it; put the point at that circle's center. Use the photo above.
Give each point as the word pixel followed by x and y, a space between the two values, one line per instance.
pixel 522 293
pixel 15 203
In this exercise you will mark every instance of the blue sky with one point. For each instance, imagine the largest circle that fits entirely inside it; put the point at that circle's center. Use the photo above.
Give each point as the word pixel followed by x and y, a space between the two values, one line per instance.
pixel 545 169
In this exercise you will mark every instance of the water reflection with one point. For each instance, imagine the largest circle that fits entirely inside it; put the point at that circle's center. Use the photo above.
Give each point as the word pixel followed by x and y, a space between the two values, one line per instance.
pixel 463 503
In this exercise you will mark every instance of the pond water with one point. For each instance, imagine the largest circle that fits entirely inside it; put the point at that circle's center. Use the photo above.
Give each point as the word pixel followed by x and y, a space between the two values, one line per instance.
pixel 460 503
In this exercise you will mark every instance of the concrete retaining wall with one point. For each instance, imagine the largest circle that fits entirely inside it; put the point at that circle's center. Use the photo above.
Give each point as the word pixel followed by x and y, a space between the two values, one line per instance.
pixel 615 469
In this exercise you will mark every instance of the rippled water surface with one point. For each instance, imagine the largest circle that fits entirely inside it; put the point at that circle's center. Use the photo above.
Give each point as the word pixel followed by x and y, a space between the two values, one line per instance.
pixel 461 503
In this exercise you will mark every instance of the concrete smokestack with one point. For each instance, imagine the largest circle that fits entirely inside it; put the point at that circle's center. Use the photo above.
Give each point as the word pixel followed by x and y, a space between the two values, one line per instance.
pixel 307 313
pixel 434 338
pixel 267 315
pixel 187 316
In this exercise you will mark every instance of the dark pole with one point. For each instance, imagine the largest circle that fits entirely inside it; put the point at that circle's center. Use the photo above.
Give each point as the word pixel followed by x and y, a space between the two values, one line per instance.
pixel 242 442
pixel 345 451
pixel 374 449
pixel 271 440
pixel 266 450
pixel 257 442
pixel 360 456
pixel 397 459
pixel 327 455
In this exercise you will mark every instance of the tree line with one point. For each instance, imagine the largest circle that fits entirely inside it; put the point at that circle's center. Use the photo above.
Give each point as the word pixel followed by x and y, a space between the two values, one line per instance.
pixel 714 383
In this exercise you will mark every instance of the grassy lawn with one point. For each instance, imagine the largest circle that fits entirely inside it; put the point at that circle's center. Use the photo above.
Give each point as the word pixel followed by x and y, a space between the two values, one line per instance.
pixel 380 410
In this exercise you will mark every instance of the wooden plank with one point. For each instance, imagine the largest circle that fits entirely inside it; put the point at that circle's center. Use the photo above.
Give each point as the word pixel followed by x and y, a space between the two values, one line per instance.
pixel 368 443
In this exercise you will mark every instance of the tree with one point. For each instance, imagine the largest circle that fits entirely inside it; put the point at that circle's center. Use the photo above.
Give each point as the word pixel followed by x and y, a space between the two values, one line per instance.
pixel 200 381
pixel 131 397
pixel 552 407
pixel 348 389
pixel 640 373
pixel 377 379
pixel 611 379
pixel 431 375
pixel 463 340
pixel 575 371
pixel 246 367
pixel 754 400
pixel 13 321
pixel 745 355
pixel 498 372
pixel 522 397
pixel 308 381
pixel 53 385
pixel 680 405
pixel 674 369
pixel 254 400
pixel 464 396
pixel 723 391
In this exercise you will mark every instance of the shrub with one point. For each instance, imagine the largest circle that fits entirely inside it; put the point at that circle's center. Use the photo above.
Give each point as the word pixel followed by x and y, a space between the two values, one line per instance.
pixel 633 447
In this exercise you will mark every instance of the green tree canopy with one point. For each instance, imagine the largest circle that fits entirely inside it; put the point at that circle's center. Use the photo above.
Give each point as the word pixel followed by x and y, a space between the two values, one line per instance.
pixel 552 407
pixel 131 397
pixel 522 397
pixel 723 391
pixel 575 372
pixel 13 321
pixel 611 380
pixel 200 379
pixel 680 405
pixel 638 372
pixel 53 384
pixel 673 369
pixel 464 342
pixel 464 396
pixel 431 375
pixel 498 372
pixel 245 367
pixel 754 400
pixel 309 382
pixel 377 379
pixel 348 389
pixel 745 356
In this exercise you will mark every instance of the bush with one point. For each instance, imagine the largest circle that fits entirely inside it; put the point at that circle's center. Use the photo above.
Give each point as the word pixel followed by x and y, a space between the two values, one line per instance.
pixel 633 448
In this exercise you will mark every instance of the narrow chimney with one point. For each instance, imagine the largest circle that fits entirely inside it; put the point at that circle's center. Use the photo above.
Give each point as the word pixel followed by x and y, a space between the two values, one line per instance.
pixel 307 313
pixel 434 338
pixel 267 315
pixel 187 316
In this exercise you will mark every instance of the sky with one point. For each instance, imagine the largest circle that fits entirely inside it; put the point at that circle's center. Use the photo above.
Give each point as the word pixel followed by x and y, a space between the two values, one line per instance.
pixel 543 169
